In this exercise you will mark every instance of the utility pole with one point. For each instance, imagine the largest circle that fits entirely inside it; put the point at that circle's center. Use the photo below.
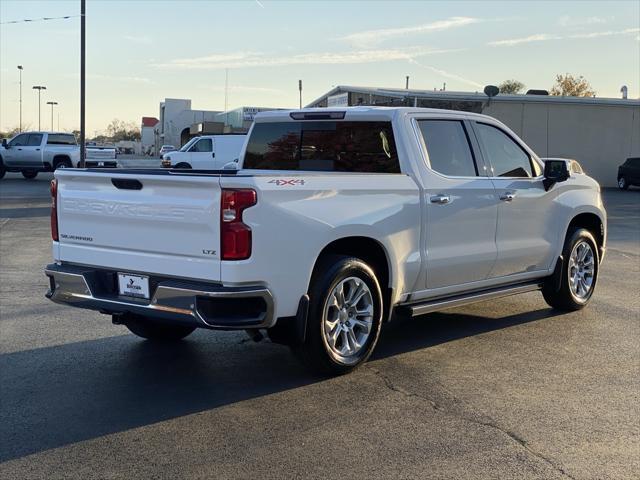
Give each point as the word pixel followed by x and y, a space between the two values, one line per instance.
pixel 300 91
pixel 39 88
pixel 82 80
pixel 407 84
pixel 52 104
pixel 20 72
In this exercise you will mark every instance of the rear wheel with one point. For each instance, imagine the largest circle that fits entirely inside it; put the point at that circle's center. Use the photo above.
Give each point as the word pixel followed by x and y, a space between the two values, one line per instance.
pixel 579 273
pixel 345 316
pixel 2 169
pixel 65 163
pixel 623 184
pixel 155 331
pixel 29 174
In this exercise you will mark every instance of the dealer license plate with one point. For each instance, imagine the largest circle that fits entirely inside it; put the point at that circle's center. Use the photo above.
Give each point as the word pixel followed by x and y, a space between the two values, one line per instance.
pixel 133 285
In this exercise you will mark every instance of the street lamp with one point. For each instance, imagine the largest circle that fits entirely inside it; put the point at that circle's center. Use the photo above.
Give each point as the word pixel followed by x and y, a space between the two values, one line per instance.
pixel 20 73
pixel 39 88
pixel 52 104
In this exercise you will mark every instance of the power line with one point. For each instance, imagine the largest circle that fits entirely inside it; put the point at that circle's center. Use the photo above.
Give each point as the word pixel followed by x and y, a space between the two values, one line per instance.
pixel 28 20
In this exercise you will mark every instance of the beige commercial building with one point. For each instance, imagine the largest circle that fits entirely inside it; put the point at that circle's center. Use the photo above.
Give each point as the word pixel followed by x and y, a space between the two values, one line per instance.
pixel 598 132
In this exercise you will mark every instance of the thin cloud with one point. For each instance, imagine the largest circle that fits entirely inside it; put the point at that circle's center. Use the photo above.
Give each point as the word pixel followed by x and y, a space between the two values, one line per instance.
pixel 246 89
pixel 570 21
pixel 255 59
pixel 541 37
pixel 112 78
pixel 446 74
pixel 538 37
pixel 372 37
pixel 142 39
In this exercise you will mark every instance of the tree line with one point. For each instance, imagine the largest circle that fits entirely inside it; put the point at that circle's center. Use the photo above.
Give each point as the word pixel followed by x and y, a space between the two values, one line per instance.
pixel 566 85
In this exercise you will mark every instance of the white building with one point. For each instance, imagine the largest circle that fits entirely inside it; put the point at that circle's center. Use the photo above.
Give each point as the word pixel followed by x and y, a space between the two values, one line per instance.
pixel 176 119
pixel 149 135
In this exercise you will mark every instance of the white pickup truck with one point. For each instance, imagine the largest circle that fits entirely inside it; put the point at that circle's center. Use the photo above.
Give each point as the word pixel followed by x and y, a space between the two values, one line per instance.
pixel 33 152
pixel 336 222
pixel 208 152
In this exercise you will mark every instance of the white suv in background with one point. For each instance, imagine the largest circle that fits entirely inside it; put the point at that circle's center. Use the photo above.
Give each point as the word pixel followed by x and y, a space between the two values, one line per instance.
pixel 209 152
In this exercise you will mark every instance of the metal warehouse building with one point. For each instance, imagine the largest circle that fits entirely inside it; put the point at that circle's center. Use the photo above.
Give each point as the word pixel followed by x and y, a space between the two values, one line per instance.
pixel 598 132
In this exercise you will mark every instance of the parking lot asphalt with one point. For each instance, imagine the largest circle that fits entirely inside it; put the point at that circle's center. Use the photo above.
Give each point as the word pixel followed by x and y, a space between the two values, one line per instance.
pixel 503 389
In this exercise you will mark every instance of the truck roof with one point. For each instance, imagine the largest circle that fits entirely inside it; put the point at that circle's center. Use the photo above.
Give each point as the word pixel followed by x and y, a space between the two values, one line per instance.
pixel 361 113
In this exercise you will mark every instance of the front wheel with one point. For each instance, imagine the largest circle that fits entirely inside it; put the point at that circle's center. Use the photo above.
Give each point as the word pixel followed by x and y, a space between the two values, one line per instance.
pixel 155 331
pixel 29 174
pixel 623 184
pixel 183 165
pixel 2 169
pixel 579 273
pixel 345 316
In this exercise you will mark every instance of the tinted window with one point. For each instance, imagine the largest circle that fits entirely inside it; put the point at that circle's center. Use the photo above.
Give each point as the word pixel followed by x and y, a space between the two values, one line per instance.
pixel 323 146
pixel 632 162
pixel 448 148
pixel 35 139
pixel 20 140
pixel 203 145
pixel 61 139
pixel 506 157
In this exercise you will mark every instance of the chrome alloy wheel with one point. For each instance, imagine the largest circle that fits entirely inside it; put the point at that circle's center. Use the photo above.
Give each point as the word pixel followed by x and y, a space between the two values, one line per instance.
pixel 348 317
pixel 581 270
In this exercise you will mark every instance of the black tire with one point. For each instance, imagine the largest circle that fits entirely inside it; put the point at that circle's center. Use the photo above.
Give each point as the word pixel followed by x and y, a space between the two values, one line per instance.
pixel 29 174
pixel 64 163
pixel 2 169
pixel 563 298
pixel 315 351
pixel 154 331
pixel 183 165
pixel 623 184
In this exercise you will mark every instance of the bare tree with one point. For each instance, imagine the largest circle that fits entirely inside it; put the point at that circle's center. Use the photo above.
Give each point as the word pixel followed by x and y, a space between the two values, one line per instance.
pixel 510 87
pixel 569 86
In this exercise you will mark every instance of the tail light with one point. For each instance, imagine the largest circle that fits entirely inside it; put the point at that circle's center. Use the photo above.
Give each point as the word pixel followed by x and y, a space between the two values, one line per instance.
pixel 235 236
pixel 54 209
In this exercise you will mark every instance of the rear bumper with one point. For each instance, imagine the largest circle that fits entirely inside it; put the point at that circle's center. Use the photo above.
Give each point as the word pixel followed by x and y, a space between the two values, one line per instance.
pixel 197 304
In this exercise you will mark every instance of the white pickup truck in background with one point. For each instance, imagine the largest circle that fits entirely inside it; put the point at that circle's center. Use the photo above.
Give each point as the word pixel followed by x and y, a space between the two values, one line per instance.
pixel 98 155
pixel 208 152
pixel 336 222
pixel 33 152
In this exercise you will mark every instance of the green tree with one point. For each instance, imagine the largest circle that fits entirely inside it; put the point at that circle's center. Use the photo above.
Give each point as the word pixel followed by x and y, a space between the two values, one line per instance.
pixel 569 86
pixel 118 130
pixel 510 87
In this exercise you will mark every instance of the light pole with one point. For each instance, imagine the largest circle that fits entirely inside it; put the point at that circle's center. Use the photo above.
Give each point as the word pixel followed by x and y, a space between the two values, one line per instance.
pixel 20 72
pixel 39 88
pixel 52 104
pixel 83 11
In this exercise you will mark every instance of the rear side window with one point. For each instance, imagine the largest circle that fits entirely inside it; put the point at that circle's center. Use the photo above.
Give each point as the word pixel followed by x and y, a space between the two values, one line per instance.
pixel 61 139
pixel 323 146
pixel 507 158
pixel 35 139
pixel 448 148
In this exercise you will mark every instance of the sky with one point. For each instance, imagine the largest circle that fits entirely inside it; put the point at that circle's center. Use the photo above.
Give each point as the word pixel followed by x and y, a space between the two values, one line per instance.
pixel 140 52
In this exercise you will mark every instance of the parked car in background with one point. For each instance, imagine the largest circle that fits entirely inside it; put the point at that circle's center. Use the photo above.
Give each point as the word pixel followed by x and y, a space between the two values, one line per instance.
pixel 336 222
pixel 166 149
pixel 33 152
pixel 208 152
pixel 101 156
pixel 629 173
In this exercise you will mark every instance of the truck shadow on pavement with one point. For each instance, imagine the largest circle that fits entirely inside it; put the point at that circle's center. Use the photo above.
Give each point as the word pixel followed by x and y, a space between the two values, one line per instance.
pixel 56 396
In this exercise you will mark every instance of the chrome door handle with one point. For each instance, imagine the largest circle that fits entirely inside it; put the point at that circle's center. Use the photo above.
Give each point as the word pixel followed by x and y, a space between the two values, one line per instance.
pixel 507 196
pixel 440 199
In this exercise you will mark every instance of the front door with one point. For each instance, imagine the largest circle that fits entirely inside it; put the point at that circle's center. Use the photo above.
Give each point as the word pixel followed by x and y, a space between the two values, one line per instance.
pixel 202 156
pixel 526 233
pixel 460 206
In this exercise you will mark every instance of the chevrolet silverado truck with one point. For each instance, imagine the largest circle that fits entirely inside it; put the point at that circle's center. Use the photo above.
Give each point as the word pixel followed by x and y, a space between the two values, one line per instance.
pixel 33 152
pixel 336 222
pixel 101 156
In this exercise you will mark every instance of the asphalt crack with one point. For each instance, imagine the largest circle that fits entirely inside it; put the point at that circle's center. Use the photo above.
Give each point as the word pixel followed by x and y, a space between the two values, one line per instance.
pixel 489 423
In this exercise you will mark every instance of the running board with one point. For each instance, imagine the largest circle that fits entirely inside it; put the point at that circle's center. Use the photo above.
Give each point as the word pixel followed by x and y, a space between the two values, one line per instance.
pixel 422 308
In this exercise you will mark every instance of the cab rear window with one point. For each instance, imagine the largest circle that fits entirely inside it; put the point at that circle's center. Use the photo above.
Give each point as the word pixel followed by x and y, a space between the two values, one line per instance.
pixel 61 139
pixel 323 146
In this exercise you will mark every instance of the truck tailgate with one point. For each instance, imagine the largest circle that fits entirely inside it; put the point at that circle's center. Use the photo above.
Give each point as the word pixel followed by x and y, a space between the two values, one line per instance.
pixel 169 226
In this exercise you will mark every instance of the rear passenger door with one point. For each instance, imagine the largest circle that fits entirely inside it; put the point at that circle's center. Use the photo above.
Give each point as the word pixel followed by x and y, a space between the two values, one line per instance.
pixel 460 206
pixel 526 232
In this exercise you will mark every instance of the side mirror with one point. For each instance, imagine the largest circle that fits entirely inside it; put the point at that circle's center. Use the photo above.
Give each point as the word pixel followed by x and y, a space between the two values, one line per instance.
pixel 555 171
pixel 4 143
pixel 230 166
